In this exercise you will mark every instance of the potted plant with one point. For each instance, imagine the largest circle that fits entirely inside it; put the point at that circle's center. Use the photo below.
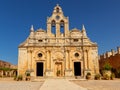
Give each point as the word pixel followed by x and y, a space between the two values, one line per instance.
pixel 112 76
pixel 28 76
pixel 106 77
pixel 107 71
pixel 88 76
pixel 97 77
pixel 15 77
pixel 19 78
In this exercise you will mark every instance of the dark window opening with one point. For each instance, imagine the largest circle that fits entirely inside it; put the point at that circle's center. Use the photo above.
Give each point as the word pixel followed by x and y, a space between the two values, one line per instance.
pixel 77 68
pixel 53 23
pixel 62 26
pixel 75 40
pixel 76 54
pixel 40 55
pixel 57 17
pixel 62 23
pixel 40 40
pixel 39 69
pixel 53 27
pixel 57 10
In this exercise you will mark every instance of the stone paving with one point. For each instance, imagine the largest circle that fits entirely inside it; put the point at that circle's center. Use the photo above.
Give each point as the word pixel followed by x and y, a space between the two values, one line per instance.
pixel 60 84
pixel 20 85
pixel 99 84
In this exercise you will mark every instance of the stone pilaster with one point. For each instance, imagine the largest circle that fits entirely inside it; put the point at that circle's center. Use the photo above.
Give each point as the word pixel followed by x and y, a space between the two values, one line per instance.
pixel 87 54
pixel 66 58
pixel 48 60
pixel 66 28
pixel 49 28
pixel 57 30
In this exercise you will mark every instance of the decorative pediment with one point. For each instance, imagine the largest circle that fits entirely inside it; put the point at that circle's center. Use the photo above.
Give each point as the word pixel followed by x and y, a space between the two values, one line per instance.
pixel 75 30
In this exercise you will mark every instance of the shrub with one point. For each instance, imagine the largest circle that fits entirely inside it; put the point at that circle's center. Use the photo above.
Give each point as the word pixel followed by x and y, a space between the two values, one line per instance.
pixel 19 78
pixel 106 77
pixel 15 77
pixel 107 66
pixel 88 73
pixel 5 69
pixel 88 76
pixel 97 77
pixel 27 74
pixel 112 76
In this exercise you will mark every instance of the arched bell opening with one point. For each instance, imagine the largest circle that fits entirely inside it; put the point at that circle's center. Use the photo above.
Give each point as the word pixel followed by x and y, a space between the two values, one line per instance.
pixel 53 26
pixel 62 26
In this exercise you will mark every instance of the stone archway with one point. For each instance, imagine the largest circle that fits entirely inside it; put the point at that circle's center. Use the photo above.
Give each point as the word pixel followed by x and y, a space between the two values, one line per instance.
pixel 58 59
pixel 58 69
pixel 77 68
pixel 39 68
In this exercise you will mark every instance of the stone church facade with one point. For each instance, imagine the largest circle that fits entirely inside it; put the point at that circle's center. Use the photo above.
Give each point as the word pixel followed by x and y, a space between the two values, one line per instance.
pixel 58 51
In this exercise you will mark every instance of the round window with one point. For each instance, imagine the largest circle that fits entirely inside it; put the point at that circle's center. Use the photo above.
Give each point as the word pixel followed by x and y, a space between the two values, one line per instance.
pixel 57 17
pixel 76 54
pixel 40 55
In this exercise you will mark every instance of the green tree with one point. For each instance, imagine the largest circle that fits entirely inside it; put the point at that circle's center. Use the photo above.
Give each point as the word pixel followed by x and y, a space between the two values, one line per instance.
pixel 107 66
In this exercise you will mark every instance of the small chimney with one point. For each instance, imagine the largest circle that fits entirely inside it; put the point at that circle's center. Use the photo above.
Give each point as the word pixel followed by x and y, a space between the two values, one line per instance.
pixel 107 54
pixel 118 50
pixel 104 55
pixel 113 52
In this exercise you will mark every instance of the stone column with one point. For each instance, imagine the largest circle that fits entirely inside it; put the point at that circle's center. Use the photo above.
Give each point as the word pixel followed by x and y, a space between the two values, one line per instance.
pixel 57 29
pixel 66 58
pixel 48 60
pixel 49 28
pixel 66 28
pixel 28 59
pixel 87 59
pixel 51 61
pixel 82 68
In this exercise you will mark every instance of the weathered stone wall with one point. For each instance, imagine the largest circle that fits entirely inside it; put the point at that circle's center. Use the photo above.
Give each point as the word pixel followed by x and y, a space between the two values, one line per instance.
pixel 58 51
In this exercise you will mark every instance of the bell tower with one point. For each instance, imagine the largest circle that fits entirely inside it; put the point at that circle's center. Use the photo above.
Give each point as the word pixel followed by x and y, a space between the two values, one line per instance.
pixel 59 22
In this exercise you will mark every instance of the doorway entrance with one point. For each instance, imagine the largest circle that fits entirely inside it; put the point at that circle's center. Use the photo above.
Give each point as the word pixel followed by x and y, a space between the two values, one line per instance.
pixel 39 71
pixel 77 68
pixel 58 69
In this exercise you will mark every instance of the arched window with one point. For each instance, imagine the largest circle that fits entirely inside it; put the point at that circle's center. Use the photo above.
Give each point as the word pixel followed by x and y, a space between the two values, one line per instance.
pixel 53 26
pixel 57 10
pixel 53 23
pixel 62 26
pixel 62 23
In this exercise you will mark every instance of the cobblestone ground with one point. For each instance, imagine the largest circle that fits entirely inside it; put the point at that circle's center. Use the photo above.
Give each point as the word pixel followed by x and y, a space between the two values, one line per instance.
pixel 20 85
pixel 99 84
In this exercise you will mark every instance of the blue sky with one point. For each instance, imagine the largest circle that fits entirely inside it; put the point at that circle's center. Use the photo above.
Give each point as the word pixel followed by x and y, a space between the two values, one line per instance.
pixel 100 17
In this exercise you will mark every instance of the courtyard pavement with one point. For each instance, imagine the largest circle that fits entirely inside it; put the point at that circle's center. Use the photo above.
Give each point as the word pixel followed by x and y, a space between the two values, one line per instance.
pixel 59 84
pixel 99 84
pixel 20 85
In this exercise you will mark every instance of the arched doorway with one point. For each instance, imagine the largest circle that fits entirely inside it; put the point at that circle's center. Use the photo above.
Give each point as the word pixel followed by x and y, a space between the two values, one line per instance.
pixel 58 69
pixel 39 68
pixel 77 68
